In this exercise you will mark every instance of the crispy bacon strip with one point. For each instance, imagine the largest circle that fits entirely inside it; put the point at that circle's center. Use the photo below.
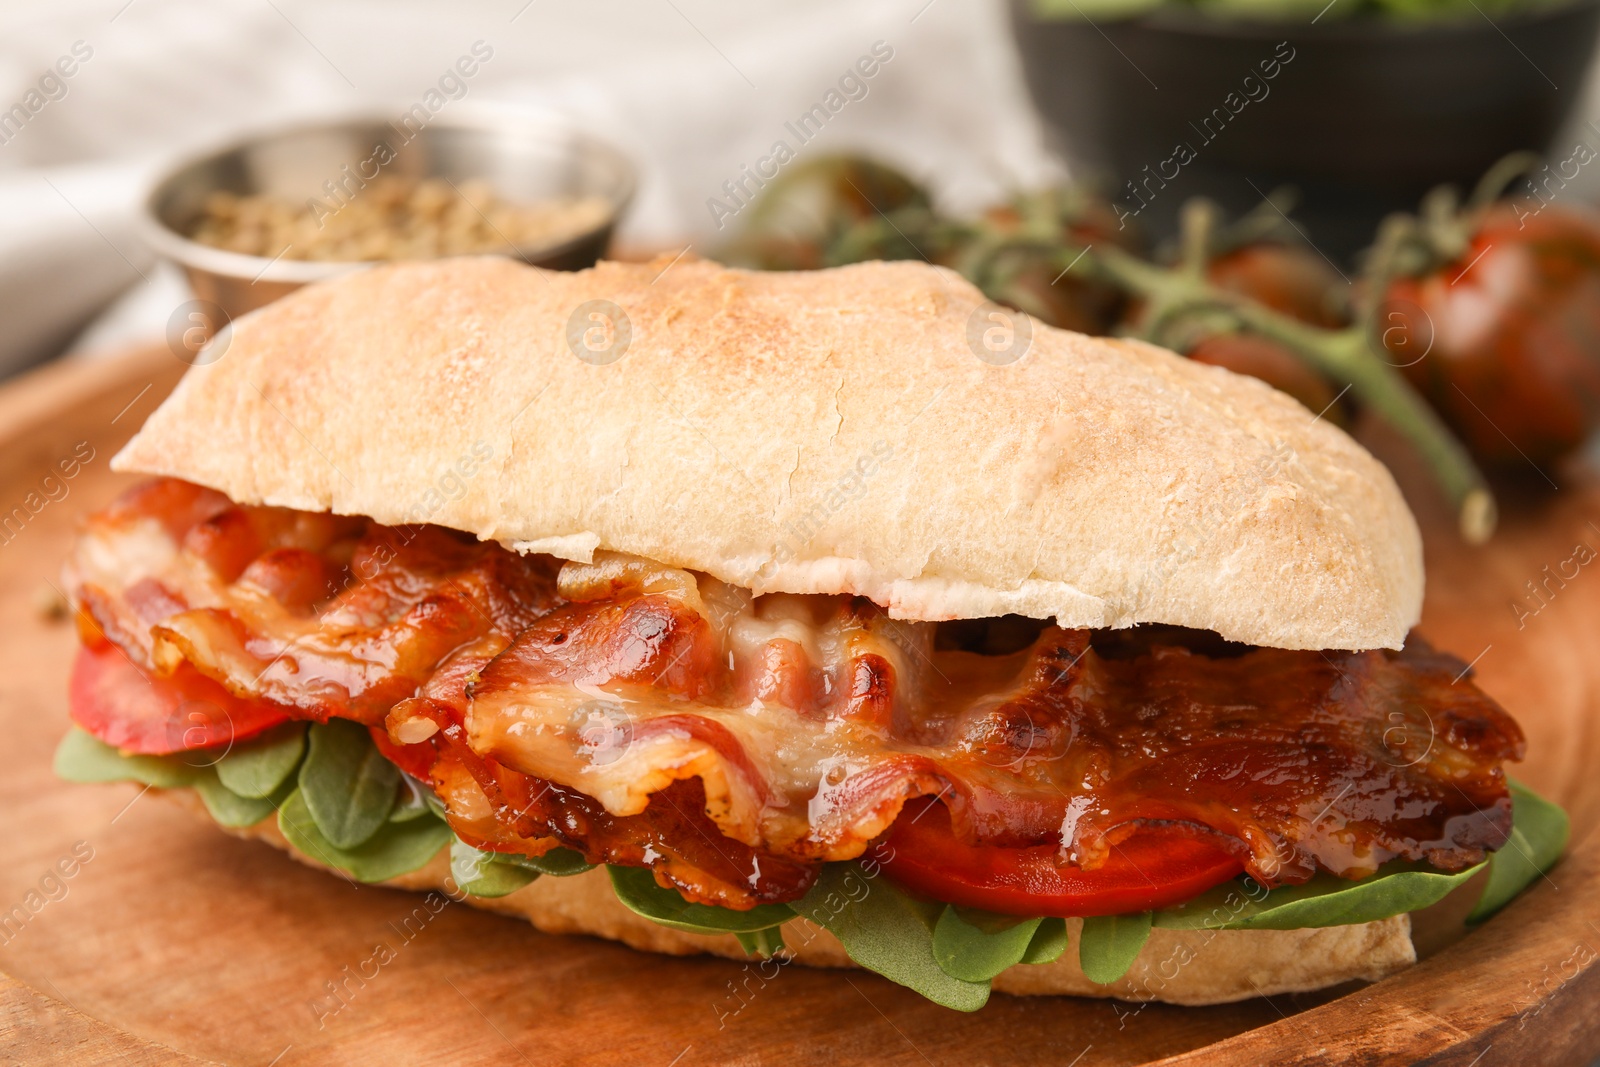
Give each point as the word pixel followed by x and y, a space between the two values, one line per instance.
pixel 644 715
pixel 324 614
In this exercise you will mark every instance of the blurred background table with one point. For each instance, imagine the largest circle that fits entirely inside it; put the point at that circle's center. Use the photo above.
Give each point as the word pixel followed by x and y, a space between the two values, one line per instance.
pixel 694 89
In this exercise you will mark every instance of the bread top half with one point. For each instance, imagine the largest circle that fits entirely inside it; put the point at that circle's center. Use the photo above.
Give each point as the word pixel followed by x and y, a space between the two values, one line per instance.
pixel 875 429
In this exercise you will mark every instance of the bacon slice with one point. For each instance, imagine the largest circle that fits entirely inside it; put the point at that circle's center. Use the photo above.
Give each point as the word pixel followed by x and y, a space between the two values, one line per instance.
pixel 1339 761
pixel 644 715
pixel 324 614
pixel 494 807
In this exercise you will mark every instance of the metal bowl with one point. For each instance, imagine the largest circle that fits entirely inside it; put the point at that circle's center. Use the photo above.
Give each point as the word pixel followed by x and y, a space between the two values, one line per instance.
pixel 524 157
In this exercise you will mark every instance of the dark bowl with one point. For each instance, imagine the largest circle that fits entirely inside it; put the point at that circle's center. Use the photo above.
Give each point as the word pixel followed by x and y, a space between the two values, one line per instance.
pixel 1364 118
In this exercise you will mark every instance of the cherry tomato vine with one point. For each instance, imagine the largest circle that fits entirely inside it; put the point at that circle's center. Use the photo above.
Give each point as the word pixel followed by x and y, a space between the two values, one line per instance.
pixel 1473 328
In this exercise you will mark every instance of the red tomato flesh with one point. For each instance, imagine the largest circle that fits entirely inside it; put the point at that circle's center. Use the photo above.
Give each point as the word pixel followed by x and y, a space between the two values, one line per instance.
pixel 1155 868
pixel 416 760
pixel 119 702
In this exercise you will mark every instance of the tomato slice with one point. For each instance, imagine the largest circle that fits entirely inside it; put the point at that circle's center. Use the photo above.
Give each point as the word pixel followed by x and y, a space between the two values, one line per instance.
pixel 416 760
pixel 119 702
pixel 1157 867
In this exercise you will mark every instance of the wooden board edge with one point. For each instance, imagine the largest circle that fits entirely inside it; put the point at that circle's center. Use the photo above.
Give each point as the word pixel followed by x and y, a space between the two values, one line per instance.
pixel 52 1032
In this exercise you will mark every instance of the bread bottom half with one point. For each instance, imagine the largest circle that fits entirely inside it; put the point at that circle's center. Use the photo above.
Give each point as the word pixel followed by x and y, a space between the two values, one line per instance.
pixel 1189 967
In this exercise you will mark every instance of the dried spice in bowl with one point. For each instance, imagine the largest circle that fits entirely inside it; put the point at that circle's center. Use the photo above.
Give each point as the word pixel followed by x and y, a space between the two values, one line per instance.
pixel 394 218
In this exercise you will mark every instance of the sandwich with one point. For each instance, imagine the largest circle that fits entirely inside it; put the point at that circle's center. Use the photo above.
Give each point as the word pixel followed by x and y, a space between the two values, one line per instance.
pixel 767 615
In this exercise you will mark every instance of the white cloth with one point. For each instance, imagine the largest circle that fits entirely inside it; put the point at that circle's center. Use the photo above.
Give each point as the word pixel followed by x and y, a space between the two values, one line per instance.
pixel 692 89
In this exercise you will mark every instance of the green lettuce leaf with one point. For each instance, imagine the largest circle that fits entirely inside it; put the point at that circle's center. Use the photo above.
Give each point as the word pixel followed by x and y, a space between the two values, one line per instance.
pixel 394 849
pixel 413 802
pixel 558 862
pixel 1049 942
pixel 974 946
pixel 478 873
pixel 887 930
pixel 1325 900
pixel 764 943
pixel 637 889
pixel 1539 831
pixel 258 767
pixel 82 758
pixel 1109 944
pixel 346 783
pixel 229 808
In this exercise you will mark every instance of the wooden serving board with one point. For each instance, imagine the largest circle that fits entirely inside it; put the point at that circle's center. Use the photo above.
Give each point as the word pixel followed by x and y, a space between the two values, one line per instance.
pixel 175 943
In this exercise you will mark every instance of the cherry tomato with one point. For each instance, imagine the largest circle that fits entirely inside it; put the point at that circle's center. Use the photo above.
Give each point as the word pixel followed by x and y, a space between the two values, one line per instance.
pixel 119 702
pixel 1156 867
pixel 1029 279
pixel 1505 341
pixel 1263 358
pixel 1028 275
pixel 1286 278
pixel 803 212
pixel 1081 218
pixel 1296 282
